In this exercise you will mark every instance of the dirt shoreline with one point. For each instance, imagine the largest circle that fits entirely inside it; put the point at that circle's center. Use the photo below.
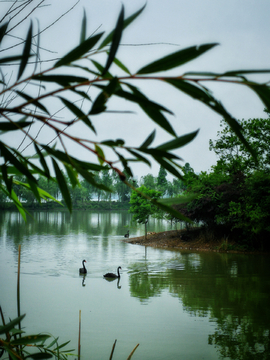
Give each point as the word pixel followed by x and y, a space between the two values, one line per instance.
pixel 195 240
pixel 176 239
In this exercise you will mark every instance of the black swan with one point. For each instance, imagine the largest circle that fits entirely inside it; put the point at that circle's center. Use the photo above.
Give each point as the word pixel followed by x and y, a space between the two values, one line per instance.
pixel 83 269
pixel 127 234
pixel 114 276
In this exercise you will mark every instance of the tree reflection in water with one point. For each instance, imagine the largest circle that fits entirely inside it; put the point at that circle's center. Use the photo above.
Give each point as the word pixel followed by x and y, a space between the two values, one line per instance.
pixel 228 288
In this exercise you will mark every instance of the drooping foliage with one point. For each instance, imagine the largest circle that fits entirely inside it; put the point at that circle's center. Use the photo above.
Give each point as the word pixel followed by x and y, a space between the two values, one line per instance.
pixel 30 100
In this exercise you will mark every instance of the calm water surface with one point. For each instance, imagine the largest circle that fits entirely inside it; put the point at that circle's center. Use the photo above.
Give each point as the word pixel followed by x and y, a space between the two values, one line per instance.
pixel 175 304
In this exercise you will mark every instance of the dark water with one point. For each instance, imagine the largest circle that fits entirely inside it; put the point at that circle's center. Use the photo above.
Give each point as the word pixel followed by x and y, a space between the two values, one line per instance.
pixel 175 304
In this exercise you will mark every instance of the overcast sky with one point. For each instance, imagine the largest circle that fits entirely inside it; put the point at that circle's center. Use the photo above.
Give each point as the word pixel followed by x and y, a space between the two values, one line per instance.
pixel 241 27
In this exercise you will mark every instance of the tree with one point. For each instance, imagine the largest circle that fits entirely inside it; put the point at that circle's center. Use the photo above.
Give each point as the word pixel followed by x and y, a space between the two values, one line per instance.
pixel 232 154
pixel 121 189
pixel 30 99
pixel 251 211
pixel 161 180
pixel 148 181
pixel 108 182
pixel 235 194
pixel 142 208
pixel 178 186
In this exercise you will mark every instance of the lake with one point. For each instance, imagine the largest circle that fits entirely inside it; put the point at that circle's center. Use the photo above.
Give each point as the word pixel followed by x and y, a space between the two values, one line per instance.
pixel 175 304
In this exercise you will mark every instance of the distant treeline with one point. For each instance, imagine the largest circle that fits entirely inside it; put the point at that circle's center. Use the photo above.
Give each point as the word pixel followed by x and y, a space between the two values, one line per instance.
pixel 87 196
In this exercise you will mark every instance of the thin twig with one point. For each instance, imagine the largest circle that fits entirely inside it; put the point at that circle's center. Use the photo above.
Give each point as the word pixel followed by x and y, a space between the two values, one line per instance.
pixel 111 356
pixel 132 352
pixel 79 338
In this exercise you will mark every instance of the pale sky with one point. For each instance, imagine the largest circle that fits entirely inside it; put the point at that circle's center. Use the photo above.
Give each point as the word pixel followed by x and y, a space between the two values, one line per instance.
pixel 241 27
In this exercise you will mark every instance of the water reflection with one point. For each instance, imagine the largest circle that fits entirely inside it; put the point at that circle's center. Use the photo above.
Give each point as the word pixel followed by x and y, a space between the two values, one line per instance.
pixel 227 288
pixel 83 279
pixel 113 279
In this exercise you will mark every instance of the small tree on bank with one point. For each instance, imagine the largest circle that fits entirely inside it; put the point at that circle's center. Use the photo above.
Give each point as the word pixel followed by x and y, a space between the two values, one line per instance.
pixel 141 208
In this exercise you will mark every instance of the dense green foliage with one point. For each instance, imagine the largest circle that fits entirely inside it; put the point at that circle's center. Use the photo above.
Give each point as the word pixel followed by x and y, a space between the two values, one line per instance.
pixel 235 196
pixel 20 346
pixel 233 156
pixel 141 207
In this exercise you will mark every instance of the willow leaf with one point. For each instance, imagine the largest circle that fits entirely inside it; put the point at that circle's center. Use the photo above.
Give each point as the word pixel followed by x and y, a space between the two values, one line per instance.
pixel 178 142
pixel 34 189
pixel 124 162
pixel 205 97
pixel 52 343
pixel 100 154
pixel 3 30
pixel 62 156
pixel 61 79
pixel 79 51
pixel 8 126
pixel 176 59
pixel 8 180
pixel 45 195
pixel 30 339
pixel 18 204
pixel 128 21
pixel 263 91
pixel 158 153
pixel 89 177
pixel 8 59
pixel 238 73
pixel 73 175
pixel 168 167
pixel 83 28
pixel 138 157
pixel 159 119
pixel 99 103
pixel 121 66
pixel 42 193
pixel 100 68
pixel 152 109
pixel 113 143
pixel 192 90
pixel 149 140
pixel 78 113
pixel 42 161
pixel 26 52
pixel 62 185
pixel 37 52
pixel 62 345
pixel 9 157
pixel 140 100
pixel 6 328
pixel 115 41
pixel 39 356
pixel 33 101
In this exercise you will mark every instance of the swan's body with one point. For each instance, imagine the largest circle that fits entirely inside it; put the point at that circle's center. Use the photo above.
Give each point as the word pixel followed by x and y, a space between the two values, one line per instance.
pixel 83 269
pixel 127 234
pixel 113 276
